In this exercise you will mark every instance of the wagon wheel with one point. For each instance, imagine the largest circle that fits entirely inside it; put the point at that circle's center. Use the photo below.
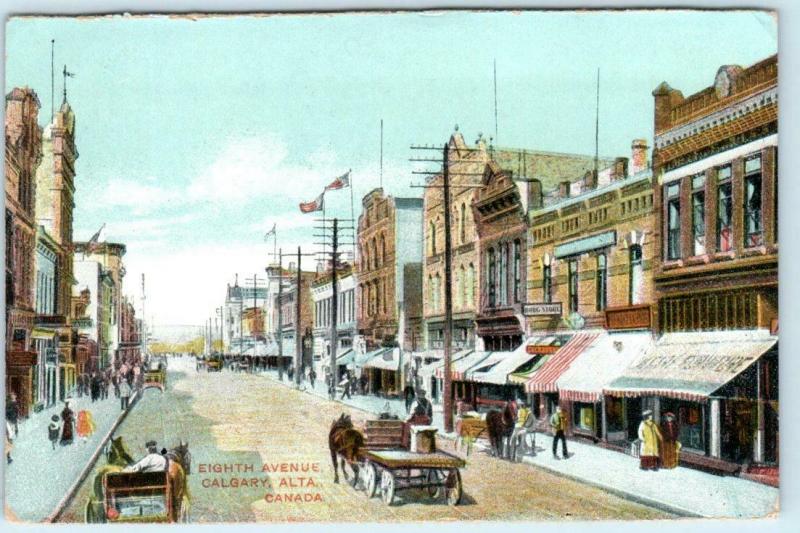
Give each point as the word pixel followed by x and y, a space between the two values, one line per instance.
pixel 452 487
pixel 387 487
pixel 183 514
pixel 370 479
pixel 433 479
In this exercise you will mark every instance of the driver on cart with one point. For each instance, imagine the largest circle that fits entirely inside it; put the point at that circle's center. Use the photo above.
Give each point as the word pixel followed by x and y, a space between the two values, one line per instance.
pixel 421 415
pixel 152 462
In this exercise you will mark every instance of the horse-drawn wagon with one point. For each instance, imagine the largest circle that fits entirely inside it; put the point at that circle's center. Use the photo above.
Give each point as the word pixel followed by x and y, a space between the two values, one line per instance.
pixel 156 374
pixel 379 462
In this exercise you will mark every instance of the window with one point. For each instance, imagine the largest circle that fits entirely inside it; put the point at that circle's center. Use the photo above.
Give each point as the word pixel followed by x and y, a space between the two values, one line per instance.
pixel 503 275
pixel 374 253
pixel 383 250
pixel 673 221
pixel 491 276
pixel 699 214
pixel 432 231
pixel 724 210
pixel 583 416
pixel 463 223
pixel 601 278
pixel 547 284
pixel 753 224
pixel 462 289
pixel 573 285
pixel 635 279
pixel 471 285
pixel 517 271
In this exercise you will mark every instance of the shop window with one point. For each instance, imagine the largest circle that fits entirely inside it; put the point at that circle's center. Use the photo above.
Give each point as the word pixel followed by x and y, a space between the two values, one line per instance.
pixel 724 210
pixel 673 221
pixel 583 416
pixel 573 285
pixel 615 414
pixel 699 214
pixel 601 281
pixel 753 223
pixel 691 422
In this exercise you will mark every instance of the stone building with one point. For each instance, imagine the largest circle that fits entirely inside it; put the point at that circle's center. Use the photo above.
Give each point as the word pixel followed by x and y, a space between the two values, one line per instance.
pixel 23 152
pixel 45 339
pixel 389 271
pixel 715 272
pixel 130 341
pixel 238 301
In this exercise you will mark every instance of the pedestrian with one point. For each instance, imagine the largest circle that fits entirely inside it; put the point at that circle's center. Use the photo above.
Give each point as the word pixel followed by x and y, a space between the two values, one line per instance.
pixel 94 388
pixel 85 426
pixel 68 419
pixel 651 439
pixel 9 443
pixel 124 394
pixel 363 382
pixel 559 424
pixel 345 384
pixel 312 376
pixel 54 430
pixel 408 393
pixel 353 384
pixel 106 384
pixel 79 387
pixel 115 382
pixel 290 373
pixel 12 412
pixel 671 446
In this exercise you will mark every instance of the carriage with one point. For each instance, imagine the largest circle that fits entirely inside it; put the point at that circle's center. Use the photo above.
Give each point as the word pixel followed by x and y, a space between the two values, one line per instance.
pixel 214 363
pixel 156 374
pixel 385 466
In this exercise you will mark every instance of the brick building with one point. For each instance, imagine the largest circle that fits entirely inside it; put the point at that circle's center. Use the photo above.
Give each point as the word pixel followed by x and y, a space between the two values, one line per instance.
pixel 716 270
pixel 130 343
pixel 23 153
pixel 288 310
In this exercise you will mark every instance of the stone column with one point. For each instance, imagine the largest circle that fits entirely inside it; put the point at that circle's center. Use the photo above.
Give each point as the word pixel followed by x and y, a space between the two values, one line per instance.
pixel 714 415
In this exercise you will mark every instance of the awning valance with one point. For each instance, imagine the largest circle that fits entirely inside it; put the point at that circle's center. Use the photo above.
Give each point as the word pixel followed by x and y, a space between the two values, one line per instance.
pixel 460 367
pixel 511 361
pixel 388 360
pixel 601 363
pixel 692 366
pixel 545 379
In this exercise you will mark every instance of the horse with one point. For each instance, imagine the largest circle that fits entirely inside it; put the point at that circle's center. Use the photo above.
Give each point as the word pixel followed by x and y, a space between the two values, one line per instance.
pixel 500 427
pixel 345 441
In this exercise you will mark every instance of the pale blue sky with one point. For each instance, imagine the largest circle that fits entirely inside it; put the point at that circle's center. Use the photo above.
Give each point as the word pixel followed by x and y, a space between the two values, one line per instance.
pixel 194 136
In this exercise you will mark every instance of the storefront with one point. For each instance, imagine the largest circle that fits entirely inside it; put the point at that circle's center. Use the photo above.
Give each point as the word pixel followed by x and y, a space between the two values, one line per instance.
pixel 721 386
pixel 46 343
pixel 431 374
pixel 462 390
pixel 542 385
pixel 385 373
pixel 581 386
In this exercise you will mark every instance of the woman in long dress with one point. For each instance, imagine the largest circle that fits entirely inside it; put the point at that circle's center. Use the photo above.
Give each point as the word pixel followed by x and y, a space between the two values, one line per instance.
pixel 651 438
pixel 670 445
pixel 68 417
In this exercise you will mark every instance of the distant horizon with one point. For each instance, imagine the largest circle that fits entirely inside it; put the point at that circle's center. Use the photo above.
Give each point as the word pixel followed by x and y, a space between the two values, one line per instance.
pixel 196 136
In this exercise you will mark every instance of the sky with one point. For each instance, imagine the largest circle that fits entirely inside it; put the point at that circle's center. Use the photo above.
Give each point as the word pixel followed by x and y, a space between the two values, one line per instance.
pixel 195 136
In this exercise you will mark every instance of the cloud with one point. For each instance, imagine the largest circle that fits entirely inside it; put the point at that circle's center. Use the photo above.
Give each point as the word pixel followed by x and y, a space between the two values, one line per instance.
pixel 140 197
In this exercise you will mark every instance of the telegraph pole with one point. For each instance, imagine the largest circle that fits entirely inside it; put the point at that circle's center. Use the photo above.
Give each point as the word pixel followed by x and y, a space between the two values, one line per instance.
pixel 279 334
pixel 448 296
pixel 298 355
pixel 335 307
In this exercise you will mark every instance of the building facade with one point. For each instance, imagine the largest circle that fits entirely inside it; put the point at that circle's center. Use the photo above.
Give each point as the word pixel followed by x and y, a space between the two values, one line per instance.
pixel 298 329
pixel 716 240
pixel 23 151
pixel 243 304
pixel 46 339
pixel 389 271
pixel 322 300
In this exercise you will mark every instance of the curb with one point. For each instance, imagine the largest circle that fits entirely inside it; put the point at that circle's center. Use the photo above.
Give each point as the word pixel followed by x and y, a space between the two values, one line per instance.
pixel 680 511
pixel 73 489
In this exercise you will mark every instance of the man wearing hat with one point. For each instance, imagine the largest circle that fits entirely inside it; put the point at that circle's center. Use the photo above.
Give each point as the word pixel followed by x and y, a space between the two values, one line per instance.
pixel 651 438
pixel 424 406
pixel 152 462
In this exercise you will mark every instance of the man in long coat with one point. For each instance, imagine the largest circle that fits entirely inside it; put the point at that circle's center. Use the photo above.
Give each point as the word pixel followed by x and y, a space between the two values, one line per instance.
pixel 68 417
pixel 651 438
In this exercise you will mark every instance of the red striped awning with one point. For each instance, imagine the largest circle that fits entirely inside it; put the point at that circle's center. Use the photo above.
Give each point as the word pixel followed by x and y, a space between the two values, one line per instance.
pixel 545 379
pixel 666 393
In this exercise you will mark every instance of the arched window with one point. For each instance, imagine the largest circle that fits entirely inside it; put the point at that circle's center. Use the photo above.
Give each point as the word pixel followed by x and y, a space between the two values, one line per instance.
pixel 383 249
pixel 635 275
pixel 463 223
pixel 374 253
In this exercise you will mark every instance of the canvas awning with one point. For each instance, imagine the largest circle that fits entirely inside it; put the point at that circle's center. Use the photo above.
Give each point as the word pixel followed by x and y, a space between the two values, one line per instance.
pixel 346 357
pixel 42 333
pixel 524 374
pixel 478 371
pixel 363 359
pixel 499 373
pixel 601 363
pixel 388 360
pixel 436 367
pixel 544 380
pixel 691 366
pixel 459 368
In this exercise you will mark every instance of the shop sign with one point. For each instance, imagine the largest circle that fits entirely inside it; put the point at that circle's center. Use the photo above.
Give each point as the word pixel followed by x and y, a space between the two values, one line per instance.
pixel 541 309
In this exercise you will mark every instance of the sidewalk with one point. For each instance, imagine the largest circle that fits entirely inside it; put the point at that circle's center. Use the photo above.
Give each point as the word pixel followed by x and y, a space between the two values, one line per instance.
pixel 683 491
pixel 39 477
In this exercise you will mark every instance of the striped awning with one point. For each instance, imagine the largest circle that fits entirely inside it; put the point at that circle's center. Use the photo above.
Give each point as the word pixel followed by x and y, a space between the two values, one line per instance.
pixel 545 379
pixel 435 368
pixel 458 368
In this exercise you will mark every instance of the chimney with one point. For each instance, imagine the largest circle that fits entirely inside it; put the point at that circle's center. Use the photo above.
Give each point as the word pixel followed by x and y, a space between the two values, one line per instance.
pixel 638 156
pixel 665 99
pixel 589 180
pixel 534 194
pixel 620 169
pixel 563 189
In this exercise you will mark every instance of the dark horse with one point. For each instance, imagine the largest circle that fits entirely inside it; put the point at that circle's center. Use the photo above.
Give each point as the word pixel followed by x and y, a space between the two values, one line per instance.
pixel 500 427
pixel 344 441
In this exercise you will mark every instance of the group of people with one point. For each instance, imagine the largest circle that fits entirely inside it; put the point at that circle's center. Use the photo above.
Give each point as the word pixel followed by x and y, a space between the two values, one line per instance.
pixel 659 446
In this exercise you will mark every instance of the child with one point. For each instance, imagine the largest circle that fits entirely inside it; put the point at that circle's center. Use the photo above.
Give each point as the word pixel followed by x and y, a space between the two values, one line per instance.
pixel 85 425
pixel 54 430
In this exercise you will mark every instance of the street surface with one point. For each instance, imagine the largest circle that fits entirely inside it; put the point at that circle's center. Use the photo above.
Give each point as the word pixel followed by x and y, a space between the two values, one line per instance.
pixel 255 431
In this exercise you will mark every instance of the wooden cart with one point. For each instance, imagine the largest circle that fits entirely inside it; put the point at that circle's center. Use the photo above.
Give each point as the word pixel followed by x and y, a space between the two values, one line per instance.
pixel 469 429
pixel 139 497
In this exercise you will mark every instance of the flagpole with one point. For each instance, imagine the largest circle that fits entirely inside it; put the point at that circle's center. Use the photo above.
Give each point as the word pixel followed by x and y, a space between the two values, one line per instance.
pixel 352 210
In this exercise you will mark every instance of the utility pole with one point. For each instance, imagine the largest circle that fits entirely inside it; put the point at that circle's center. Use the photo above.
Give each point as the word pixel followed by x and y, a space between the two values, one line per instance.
pixel 144 322
pixel 335 308
pixel 298 356
pixel 279 334
pixel 448 296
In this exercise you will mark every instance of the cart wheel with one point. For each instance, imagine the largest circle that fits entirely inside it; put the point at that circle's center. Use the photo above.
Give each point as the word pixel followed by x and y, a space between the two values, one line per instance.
pixel 433 481
pixel 452 487
pixel 370 479
pixel 387 487
pixel 183 515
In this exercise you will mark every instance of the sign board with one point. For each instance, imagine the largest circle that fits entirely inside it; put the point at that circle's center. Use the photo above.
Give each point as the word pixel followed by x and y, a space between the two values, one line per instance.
pixel 541 309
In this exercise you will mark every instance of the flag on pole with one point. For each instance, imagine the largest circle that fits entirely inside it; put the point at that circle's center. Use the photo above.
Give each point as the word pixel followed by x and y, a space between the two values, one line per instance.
pixel 339 183
pixel 270 232
pixel 92 245
pixel 315 205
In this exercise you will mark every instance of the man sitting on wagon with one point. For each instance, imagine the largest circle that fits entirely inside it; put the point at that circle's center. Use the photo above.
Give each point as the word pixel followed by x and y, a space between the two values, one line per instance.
pixel 152 462
pixel 421 415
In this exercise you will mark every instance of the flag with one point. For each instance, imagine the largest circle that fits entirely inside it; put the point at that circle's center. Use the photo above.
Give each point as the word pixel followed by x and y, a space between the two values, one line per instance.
pixel 315 205
pixel 339 183
pixel 270 232
pixel 92 245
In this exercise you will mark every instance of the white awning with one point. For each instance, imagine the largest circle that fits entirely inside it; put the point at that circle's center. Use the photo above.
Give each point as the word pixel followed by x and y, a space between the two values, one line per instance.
pixel 460 367
pixel 506 363
pixel 435 367
pixel 601 363
pixel 388 360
